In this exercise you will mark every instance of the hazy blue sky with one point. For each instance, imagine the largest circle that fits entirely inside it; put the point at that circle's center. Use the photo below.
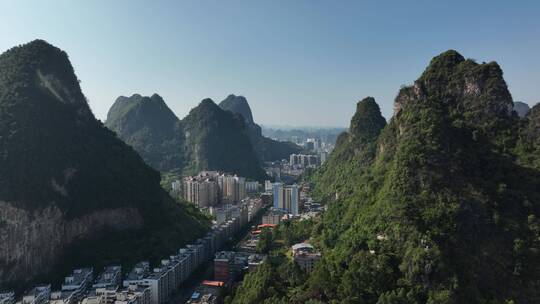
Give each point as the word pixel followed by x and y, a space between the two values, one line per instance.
pixel 297 62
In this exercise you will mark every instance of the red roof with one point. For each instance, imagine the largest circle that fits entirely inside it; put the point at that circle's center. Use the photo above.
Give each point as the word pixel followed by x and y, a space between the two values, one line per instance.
pixel 256 231
pixel 213 283
pixel 267 226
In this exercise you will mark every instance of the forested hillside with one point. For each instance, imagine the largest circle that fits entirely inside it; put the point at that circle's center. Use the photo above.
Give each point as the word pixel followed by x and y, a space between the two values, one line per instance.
pixel 441 205
pixel 71 193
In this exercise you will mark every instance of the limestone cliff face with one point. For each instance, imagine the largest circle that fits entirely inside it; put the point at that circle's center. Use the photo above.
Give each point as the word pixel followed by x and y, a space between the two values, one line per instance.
pixel 208 138
pixel 64 177
pixel 472 93
pixel 31 240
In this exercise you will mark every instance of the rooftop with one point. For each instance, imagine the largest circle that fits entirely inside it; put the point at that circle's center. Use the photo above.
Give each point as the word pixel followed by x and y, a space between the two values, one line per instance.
pixel 302 246
pixel 109 277
pixel 78 278
pixel 139 271
pixel 213 283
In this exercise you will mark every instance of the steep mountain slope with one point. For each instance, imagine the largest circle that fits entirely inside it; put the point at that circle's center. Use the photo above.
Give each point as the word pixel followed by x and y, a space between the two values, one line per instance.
pixel 208 138
pixel 440 212
pixel 149 126
pixel 353 151
pixel 528 148
pixel 267 149
pixel 441 205
pixel 217 139
pixel 66 181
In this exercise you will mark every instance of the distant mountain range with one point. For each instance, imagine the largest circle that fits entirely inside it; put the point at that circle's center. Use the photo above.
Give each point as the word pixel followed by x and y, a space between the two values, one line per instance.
pixel 326 134
pixel 208 138
pixel 267 149
pixel 71 193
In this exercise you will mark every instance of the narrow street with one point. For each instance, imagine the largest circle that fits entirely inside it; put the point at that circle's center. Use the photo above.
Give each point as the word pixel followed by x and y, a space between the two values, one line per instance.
pixel 206 271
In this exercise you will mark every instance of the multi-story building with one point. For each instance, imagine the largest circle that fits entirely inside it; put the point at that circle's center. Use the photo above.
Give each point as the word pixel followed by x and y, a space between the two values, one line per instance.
pixel 158 282
pixel 110 277
pixel 323 156
pixel 254 205
pixel 134 294
pixel 267 186
pixel 252 187
pixel 7 297
pixel 189 263
pixel 272 217
pixel 305 256
pixel 185 264
pixel 278 195
pixel 38 295
pixel 222 262
pixel 176 187
pixel 63 297
pixel 228 265
pixel 176 266
pixel 286 198
pixel 202 191
pixel 233 188
pixel 292 199
pixel 254 260
pixel 304 160
pixel 209 188
pixel 169 267
pixel 93 298
pixel 77 283
pixel 107 295
pixel 136 276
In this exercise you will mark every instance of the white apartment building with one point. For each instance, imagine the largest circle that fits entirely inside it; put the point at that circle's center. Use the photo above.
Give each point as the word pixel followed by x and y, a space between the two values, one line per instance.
pixel 7 297
pixel 202 192
pixel 38 295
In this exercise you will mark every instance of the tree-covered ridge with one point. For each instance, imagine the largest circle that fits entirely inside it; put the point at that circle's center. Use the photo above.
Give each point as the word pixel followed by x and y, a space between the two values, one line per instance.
pixel 367 121
pixel 442 206
pixel 217 140
pixel 528 148
pixel 352 154
pixel 54 153
pixel 150 127
pixel 208 138
pixel 266 148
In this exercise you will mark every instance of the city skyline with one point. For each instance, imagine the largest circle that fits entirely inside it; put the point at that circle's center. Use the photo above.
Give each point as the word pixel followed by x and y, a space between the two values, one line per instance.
pixel 306 55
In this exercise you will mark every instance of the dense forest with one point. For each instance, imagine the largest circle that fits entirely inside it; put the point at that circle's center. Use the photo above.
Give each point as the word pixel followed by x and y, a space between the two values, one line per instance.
pixel 439 205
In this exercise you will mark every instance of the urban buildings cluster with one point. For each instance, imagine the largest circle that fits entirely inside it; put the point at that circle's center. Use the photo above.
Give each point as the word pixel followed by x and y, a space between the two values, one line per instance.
pixel 143 284
pixel 273 217
pixel 229 265
pixel 249 205
pixel 7 297
pixel 288 170
pixel 210 188
pixel 304 160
